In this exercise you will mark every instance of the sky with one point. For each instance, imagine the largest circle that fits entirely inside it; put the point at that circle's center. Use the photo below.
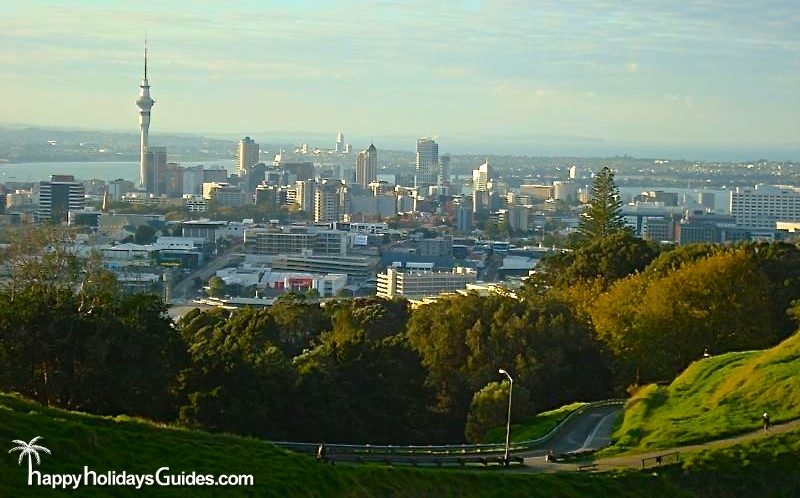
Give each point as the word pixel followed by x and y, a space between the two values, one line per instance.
pixel 568 75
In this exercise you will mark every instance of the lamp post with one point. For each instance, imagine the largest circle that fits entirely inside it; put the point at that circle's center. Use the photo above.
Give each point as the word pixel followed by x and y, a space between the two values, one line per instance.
pixel 508 423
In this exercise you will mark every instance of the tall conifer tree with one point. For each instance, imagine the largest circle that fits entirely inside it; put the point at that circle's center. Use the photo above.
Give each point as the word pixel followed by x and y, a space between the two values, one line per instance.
pixel 604 216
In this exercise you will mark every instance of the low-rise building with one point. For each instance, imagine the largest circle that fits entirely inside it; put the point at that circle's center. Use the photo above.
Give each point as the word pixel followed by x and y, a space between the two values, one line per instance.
pixel 413 284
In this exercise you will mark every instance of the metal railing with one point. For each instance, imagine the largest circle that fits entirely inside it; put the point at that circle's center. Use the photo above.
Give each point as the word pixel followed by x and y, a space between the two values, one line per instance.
pixel 448 449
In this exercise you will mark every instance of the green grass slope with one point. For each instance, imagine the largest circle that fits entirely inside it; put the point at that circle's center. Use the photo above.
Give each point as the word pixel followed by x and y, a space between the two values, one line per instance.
pixel 121 443
pixel 715 397
pixel 534 427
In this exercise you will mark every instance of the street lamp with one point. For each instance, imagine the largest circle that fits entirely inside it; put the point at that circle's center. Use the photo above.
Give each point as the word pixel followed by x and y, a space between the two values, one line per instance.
pixel 508 423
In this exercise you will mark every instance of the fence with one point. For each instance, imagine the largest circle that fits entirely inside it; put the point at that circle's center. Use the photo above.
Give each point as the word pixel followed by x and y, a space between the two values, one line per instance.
pixel 446 450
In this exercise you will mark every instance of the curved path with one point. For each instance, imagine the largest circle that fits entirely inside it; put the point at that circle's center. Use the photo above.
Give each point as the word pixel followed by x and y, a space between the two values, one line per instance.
pixel 589 430
pixel 634 460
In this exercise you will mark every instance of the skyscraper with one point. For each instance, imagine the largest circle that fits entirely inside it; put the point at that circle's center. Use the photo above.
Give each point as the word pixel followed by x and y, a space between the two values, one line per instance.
pixel 367 166
pixel 481 177
pixel 427 164
pixel 154 170
pixel 573 172
pixel 444 170
pixel 480 187
pixel 339 142
pixel 247 155
pixel 331 202
pixel 58 196
pixel 144 103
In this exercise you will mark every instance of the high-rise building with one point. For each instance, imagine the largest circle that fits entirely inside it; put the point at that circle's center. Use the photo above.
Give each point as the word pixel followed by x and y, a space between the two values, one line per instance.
pixel 427 168
pixel 367 166
pixel 573 172
pixel 292 172
pixel 247 155
pixel 464 219
pixel 58 197
pixel 304 194
pixel 331 202
pixel 481 177
pixel 566 191
pixel 119 187
pixel 144 103
pixel 706 200
pixel 173 180
pixel 339 142
pixel 444 170
pixel 765 205
pixel 193 180
pixel 155 166
pixel 215 175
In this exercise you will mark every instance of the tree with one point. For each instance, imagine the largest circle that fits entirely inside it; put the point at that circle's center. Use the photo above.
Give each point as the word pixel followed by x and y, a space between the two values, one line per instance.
pixel 656 327
pixel 489 408
pixel 605 259
pixel 145 234
pixel 216 287
pixel 604 216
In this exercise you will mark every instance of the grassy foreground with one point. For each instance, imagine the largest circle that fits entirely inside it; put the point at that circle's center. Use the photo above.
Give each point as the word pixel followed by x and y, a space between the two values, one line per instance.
pixel 122 443
pixel 534 427
pixel 715 397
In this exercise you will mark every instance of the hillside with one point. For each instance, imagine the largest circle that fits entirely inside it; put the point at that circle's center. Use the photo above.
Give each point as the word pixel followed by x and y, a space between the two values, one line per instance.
pixel 715 397
pixel 121 443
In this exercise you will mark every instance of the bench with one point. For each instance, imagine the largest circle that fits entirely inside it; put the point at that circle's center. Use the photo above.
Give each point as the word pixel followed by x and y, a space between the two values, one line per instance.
pixel 659 460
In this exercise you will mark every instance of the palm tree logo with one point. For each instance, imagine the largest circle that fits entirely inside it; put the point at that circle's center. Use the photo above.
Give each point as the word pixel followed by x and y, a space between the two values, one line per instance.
pixel 32 450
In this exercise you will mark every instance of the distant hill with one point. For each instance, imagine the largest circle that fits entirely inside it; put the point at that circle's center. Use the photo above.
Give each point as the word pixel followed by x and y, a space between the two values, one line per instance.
pixel 715 397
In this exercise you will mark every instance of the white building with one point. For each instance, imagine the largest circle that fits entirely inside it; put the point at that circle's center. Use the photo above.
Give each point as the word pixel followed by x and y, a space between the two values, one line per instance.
pixel 481 177
pixel 195 203
pixel 413 284
pixel 565 191
pixel 247 155
pixel 764 205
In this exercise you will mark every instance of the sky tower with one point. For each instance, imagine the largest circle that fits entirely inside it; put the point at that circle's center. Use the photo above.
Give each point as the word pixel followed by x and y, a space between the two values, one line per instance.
pixel 144 103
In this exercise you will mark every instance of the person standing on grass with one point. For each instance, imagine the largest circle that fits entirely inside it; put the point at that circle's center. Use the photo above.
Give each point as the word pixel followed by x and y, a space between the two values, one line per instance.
pixel 765 420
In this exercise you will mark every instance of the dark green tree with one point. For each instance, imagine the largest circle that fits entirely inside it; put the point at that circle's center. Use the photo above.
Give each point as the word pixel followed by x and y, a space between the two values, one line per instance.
pixel 216 287
pixel 489 408
pixel 145 234
pixel 604 216
pixel 605 259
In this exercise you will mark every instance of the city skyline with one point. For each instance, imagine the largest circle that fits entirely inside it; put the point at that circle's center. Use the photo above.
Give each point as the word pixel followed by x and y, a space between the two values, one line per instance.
pixel 608 76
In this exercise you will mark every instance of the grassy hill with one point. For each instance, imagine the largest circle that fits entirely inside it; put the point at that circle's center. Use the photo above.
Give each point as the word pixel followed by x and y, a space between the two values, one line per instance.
pixel 715 397
pixel 534 427
pixel 121 443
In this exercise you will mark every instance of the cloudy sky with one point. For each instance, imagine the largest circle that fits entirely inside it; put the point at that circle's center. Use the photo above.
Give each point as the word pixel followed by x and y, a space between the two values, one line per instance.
pixel 697 73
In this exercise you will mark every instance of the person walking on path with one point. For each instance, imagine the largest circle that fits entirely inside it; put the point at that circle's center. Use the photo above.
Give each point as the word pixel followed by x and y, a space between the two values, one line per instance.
pixel 765 420
pixel 322 453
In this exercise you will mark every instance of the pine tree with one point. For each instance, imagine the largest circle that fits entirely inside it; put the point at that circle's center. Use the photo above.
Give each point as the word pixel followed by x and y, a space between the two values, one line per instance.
pixel 604 216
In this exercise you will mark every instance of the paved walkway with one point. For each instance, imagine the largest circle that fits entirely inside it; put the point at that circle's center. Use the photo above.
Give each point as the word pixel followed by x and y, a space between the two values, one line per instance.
pixel 537 464
pixel 635 460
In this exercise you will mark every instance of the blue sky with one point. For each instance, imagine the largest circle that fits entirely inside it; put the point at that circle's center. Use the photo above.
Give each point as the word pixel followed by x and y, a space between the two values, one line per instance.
pixel 698 73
